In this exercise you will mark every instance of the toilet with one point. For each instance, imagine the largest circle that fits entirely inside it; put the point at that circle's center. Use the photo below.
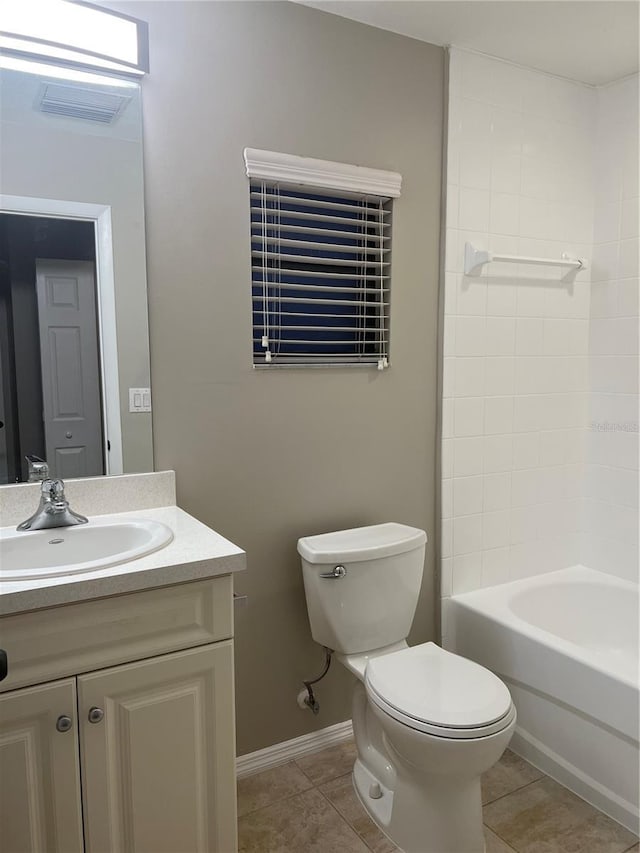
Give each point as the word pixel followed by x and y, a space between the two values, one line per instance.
pixel 427 723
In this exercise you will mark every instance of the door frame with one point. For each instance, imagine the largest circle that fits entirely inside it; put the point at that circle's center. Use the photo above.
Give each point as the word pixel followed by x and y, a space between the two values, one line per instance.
pixel 100 215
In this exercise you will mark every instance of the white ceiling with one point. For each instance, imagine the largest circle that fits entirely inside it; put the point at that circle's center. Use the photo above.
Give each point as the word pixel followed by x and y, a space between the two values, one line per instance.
pixel 593 41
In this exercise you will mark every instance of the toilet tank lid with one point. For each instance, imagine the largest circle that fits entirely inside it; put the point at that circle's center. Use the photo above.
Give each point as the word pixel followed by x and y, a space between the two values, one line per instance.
pixel 361 543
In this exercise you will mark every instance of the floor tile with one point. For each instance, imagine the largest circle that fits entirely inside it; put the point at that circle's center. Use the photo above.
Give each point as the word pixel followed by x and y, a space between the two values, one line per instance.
pixel 306 823
pixel 263 789
pixel 544 817
pixel 509 774
pixel 495 844
pixel 634 849
pixel 341 794
pixel 330 763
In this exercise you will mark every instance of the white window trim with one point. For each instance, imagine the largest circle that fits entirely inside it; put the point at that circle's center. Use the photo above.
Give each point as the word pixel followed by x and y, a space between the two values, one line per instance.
pixel 325 174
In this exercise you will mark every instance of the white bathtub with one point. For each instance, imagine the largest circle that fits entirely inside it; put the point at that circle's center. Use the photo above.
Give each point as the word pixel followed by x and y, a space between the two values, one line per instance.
pixel 566 643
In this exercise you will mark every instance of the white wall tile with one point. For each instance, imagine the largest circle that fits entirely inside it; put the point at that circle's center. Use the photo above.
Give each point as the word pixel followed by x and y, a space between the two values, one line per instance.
pixel 474 174
pixel 495 529
pixel 447 417
pixel 468 416
pixel 501 296
pixel 496 491
pixel 467 572
pixel 498 415
pixel 446 537
pixel 467 456
pixel 446 577
pixel 446 461
pixel 525 488
pixel 628 261
pixel 470 336
pixel 526 450
pixel 506 171
pixel 629 226
pixel 499 375
pixel 500 336
pixel 495 566
pixel 497 453
pixel 504 213
pixel 475 121
pixel 467 534
pixel 529 336
pixel 471 296
pixel 607 222
pixel 469 377
pixel 628 293
pixel 526 413
pixel 523 525
pixel 446 498
pixel 467 495
pixel 540 166
pixel 473 210
pixel 449 336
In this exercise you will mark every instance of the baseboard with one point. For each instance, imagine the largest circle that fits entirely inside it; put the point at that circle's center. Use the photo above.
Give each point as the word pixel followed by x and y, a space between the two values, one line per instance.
pixel 280 753
pixel 545 759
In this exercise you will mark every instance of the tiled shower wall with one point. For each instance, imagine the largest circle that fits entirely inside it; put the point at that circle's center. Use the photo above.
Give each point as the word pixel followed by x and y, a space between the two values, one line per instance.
pixel 610 536
pixel 515 384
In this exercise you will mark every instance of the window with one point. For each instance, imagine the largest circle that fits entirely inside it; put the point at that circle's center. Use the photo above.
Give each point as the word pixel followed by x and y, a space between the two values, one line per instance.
pixel 320 261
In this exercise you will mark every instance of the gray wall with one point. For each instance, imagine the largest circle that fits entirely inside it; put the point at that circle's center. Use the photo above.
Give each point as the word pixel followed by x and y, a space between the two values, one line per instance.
pixel 266 457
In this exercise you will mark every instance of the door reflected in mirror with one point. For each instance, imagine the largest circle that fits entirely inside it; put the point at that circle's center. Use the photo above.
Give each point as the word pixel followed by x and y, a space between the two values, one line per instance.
pixel 51 402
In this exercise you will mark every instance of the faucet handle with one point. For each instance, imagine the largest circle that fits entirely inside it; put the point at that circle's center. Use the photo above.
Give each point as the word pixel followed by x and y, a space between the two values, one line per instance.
pixel 38 468
pixel 53 489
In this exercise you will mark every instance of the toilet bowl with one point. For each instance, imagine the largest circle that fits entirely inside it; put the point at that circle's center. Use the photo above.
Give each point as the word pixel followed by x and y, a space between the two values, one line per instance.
pixel 440 741
pixel 427 723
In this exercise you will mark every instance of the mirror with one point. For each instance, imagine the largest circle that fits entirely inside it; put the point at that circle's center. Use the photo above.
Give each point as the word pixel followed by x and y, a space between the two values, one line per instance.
pixel 72 237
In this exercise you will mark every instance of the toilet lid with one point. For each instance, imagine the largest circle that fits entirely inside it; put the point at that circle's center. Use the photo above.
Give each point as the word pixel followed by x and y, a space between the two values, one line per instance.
pixel 427 684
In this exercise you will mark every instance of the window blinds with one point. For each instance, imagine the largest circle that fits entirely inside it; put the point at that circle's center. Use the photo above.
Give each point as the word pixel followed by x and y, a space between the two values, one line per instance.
pixel 320 262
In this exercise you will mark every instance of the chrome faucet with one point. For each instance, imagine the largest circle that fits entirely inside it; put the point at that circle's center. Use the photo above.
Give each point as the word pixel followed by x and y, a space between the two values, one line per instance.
pixel 54 509
pixel 38 468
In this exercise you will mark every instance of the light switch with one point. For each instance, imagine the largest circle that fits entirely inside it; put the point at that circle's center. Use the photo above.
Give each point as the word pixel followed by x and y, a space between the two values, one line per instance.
pixel 139 399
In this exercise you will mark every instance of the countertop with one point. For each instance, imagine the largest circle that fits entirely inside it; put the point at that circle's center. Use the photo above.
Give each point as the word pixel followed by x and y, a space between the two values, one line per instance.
pixel 196 552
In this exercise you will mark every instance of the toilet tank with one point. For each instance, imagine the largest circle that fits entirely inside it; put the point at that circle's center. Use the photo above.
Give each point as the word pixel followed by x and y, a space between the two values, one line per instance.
pixel 373 602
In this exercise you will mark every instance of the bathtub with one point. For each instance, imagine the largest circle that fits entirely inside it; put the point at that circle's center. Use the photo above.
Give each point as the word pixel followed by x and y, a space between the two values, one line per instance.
pixel 566 644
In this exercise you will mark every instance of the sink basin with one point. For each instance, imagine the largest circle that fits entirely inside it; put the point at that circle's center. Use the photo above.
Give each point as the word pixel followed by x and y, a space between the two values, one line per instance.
pixel 85 548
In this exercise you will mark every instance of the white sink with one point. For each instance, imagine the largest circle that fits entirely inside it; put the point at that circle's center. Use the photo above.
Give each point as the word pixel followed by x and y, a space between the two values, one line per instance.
pixel 86 548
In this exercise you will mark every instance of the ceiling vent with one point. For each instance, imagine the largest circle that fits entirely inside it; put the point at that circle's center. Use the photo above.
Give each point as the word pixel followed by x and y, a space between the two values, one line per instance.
pixel 77 102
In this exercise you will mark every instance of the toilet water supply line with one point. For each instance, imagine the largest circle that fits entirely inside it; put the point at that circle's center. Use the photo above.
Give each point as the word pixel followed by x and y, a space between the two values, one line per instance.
pixel 310 700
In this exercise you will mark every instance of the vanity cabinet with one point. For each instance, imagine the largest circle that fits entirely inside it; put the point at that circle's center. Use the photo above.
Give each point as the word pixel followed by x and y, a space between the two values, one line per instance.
pixel 136 757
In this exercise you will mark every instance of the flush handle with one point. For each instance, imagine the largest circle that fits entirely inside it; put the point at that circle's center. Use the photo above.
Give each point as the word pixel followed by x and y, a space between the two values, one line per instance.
pixel 336 574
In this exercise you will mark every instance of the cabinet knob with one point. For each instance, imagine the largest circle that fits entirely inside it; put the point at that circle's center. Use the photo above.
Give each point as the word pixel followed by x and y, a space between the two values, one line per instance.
pixel 64 723
pixel 96 715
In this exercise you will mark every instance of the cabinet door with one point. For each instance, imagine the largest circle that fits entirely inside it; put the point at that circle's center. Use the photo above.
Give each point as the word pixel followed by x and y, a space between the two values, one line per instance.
pixel 39 770
pixel 159 767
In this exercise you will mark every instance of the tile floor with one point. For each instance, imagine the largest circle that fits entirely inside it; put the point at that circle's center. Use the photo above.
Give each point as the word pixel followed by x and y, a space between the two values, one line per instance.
pixel 308 806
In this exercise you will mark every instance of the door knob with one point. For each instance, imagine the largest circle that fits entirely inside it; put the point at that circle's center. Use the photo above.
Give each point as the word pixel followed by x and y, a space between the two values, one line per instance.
pixel 96 715
pixel 64 723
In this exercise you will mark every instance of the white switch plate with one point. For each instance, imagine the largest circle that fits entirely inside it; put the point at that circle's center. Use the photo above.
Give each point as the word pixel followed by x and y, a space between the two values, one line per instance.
pixel 139 399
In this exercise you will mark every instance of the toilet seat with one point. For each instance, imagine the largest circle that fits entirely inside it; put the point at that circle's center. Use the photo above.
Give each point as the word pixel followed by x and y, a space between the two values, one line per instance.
pixel 442 694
